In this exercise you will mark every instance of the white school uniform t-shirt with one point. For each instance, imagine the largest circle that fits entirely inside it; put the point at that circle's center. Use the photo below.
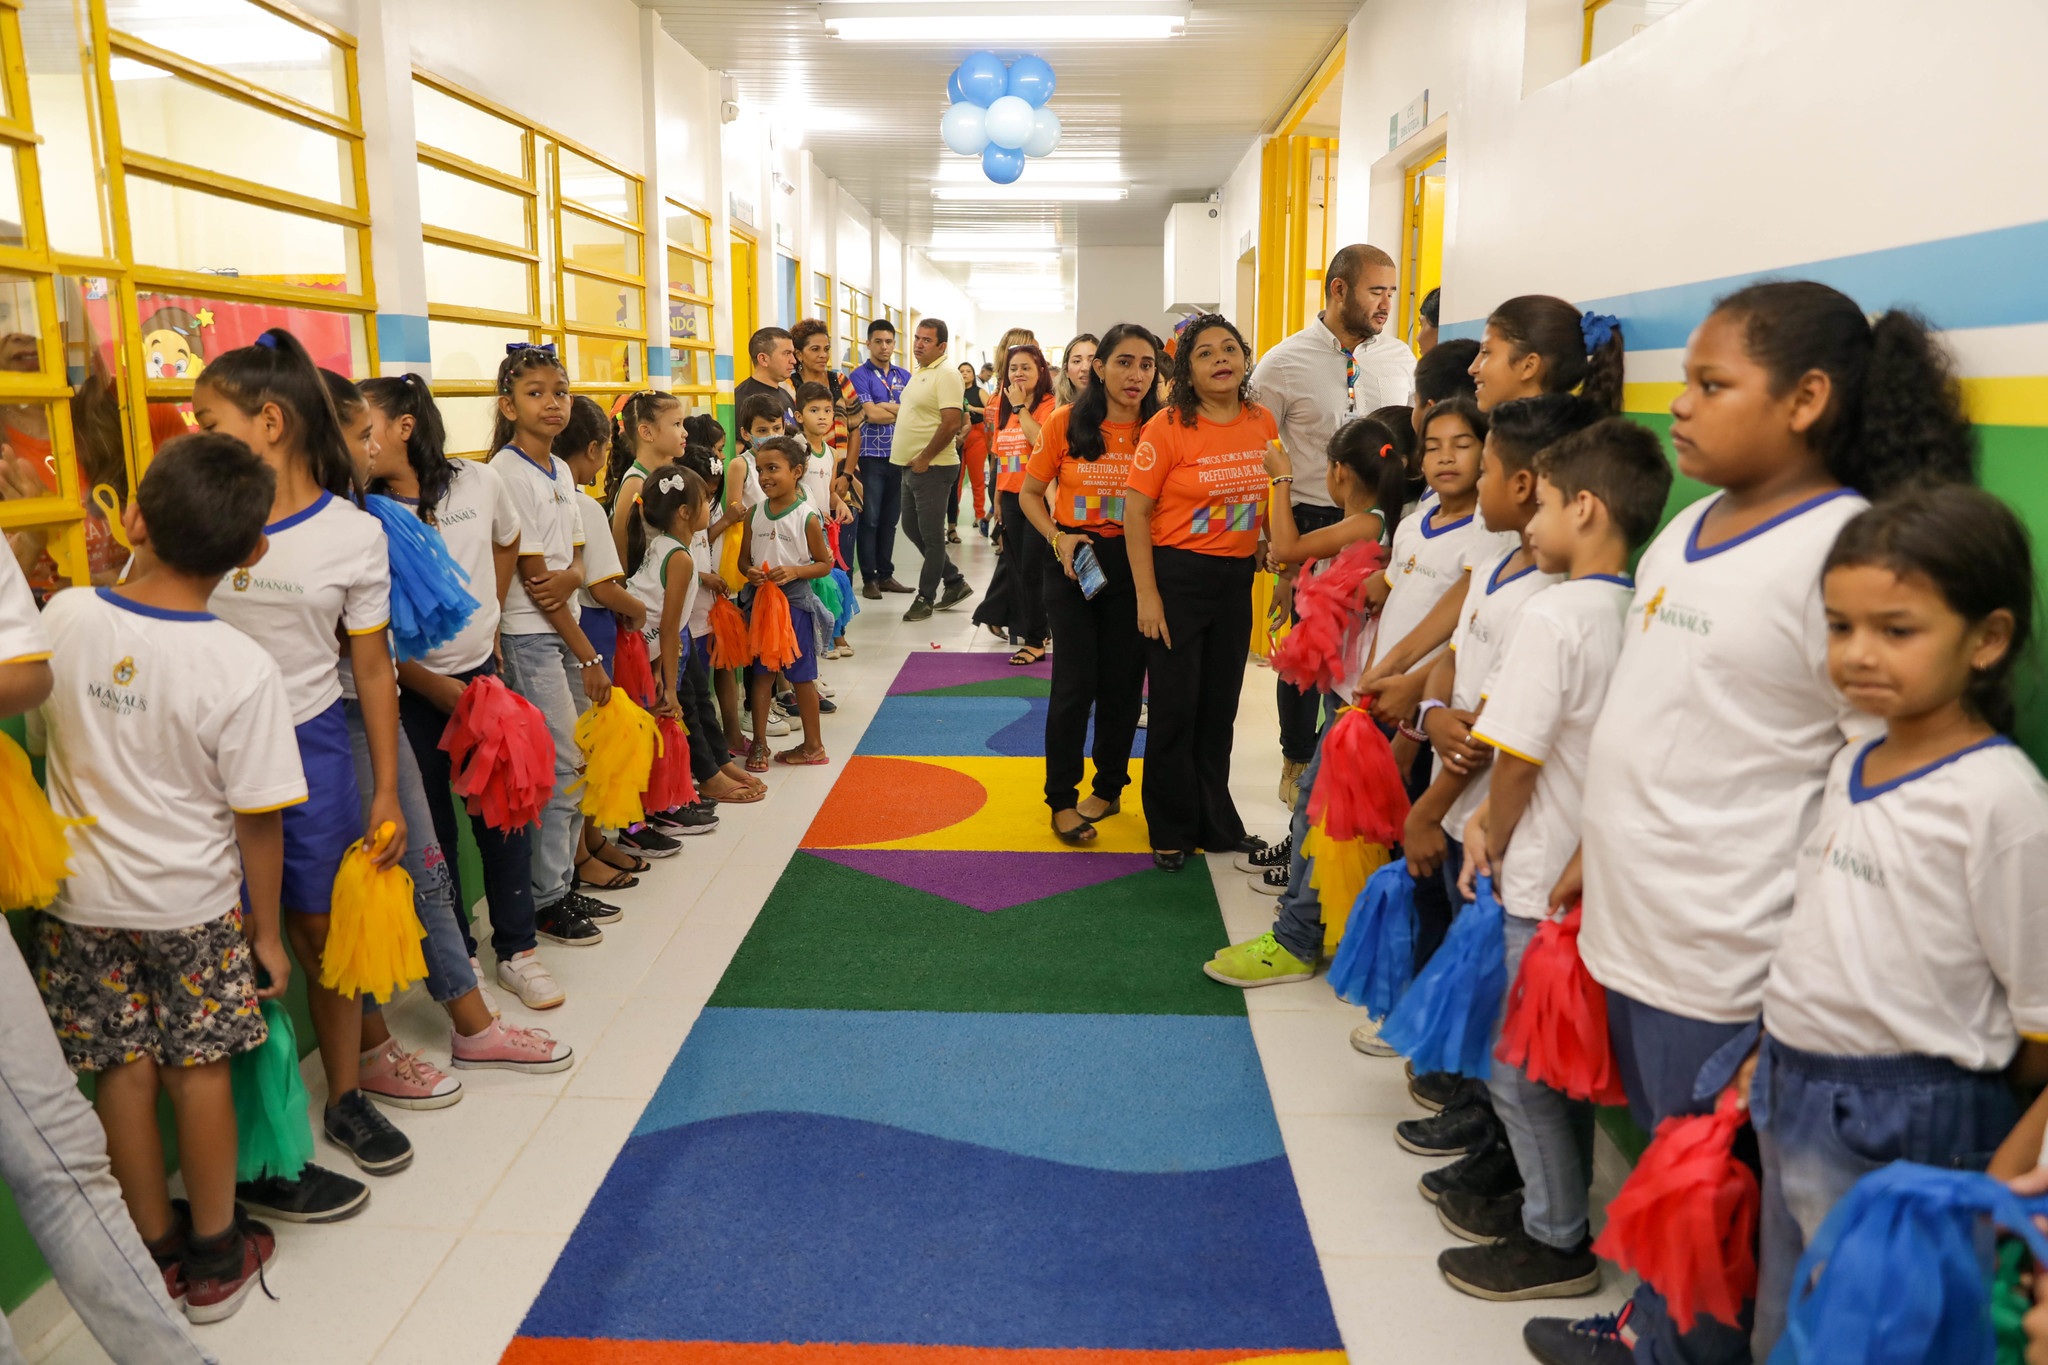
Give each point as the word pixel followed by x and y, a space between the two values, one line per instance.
pixel 1546 693
pixel 1429 558
pixel 649 583
pixel 600 552
pixel 1708 761
pixel 817 482
pixel 475 516
pixel 326 566
pixel 781 542
pixel 549 526
pixel 161 727
pixel 1920 922
pixel 1483 626
pixel 23 640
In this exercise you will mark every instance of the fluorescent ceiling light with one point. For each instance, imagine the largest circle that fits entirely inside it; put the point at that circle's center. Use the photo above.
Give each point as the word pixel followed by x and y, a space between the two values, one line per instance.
pixel 1002 21
pixel 989 256
pixel 1014 193
pixel 967 170
pixel 989 241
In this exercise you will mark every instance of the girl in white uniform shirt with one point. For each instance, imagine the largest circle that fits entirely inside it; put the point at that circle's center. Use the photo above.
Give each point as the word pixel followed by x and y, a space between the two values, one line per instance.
pixel 1720 725
pixel 325 574
pixel 1916 957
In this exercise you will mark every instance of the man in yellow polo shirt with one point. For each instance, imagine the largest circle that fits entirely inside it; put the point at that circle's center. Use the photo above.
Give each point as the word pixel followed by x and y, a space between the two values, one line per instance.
pixel 928 417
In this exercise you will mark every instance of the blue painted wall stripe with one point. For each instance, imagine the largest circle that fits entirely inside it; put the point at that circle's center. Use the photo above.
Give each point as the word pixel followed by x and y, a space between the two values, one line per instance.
pixel 1982 279
pixel 722 368
pixel 660 362
pixel 402 339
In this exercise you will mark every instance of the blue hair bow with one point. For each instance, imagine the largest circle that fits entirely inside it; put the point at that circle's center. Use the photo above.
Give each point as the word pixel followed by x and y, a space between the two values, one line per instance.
pixel 1597 328
pixel 515 347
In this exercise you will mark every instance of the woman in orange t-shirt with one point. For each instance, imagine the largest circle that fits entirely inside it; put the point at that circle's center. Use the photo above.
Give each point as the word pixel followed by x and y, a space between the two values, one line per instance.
pixel 1027 403
pixel 1084 458
pixel 1192 515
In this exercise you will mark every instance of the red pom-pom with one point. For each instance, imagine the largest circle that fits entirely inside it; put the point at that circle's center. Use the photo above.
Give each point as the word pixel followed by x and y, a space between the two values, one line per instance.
pixel 502 754
pixel 1555 1029
pixel 773 632
pixel 1313 654
pixel 1685 1220
pixel 729 646
pixel 1358 792
pixel 669 784
pixel 632 670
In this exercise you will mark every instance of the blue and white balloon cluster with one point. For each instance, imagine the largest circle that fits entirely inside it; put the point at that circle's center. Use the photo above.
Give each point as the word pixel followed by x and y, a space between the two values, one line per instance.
pixel 999 113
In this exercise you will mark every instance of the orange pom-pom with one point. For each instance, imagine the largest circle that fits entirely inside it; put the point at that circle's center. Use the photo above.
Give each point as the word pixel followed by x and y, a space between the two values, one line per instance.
pixel 729 643
pixel 1313 655
pixel 669 784
pixel 1358 792
pixel 773 632
pixel 503 755
pixel 1685 1220
pixel 1555 1028
pixel 632 670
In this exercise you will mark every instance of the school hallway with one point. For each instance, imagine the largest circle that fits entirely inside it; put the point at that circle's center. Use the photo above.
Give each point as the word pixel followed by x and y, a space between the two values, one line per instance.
pixel 880 1062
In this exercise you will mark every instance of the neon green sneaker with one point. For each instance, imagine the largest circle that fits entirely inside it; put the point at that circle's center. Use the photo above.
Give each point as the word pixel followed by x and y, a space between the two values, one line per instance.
pixel 1260 962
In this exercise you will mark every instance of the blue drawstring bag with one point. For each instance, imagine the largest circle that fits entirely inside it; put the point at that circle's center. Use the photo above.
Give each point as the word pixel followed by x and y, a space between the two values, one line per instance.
pixel 1898 1274
pixel 1376 959
pixel 430 597
pixel 1446 1021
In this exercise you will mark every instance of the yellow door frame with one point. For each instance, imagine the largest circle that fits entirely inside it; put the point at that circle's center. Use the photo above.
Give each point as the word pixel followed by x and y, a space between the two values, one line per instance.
pixel 1288 261
pixel 1420 259
pixel 746 298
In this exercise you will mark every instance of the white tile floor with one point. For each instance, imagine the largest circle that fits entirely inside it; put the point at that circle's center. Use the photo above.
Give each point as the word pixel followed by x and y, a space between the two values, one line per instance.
pixel 443 1264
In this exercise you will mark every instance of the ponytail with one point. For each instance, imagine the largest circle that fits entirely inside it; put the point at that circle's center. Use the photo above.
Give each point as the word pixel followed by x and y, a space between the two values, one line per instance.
pixel 1895 411
pixel 1369 450
pixel 1581 352
pixel 277 369
pixel 426 450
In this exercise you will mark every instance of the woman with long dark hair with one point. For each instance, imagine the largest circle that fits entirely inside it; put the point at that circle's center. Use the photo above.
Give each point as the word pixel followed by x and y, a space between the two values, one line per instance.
pixel 1026 404
pixel 1084 460
pixel 1192 511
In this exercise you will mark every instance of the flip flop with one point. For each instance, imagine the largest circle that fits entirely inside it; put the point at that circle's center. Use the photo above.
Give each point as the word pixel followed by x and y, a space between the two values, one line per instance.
pixel 635 863
pixel 741 795
pixel 795 758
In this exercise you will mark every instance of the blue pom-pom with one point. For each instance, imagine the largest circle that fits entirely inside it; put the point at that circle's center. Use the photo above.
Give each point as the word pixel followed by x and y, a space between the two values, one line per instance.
pixel 1898 1272
pixel 1446 1021
pixel 1376 959
pixel 848 608
pixel 430 597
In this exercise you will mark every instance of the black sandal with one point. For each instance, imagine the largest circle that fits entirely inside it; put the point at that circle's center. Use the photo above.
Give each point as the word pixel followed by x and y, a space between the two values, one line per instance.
pixel 1026 656
pixel 621 879
pixel 638 863
pixel 1080 836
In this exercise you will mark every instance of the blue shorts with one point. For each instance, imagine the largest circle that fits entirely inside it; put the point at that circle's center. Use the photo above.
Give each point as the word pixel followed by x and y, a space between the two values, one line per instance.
pixel 805 669
pixel 319 829
pixel 601 628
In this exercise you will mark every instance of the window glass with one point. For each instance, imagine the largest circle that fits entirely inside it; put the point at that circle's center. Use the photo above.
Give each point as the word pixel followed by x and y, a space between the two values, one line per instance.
pixel 688 228
pixel 21 329
pixel 460 204
pixel 468 420
pixel 688 321
pixel 470 351
pixel 591 302
pixel 1614 22
pixel 688 274
pixel 690 368
pixel 69 161
pixel 594 360
pixel 453 125
pixel 180 332
pixel 240 39
pixel 586 241
pixel 597 187
pixel 186 230
pixel 469 279
pixel 12 232
pixel 180 121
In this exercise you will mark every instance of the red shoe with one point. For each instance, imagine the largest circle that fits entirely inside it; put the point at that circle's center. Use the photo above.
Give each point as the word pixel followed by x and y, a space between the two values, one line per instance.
pixel 219 1277
pixel 168 1251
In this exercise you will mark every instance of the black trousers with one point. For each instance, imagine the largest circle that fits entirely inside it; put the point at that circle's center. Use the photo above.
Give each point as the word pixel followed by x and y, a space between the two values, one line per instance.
pixel 1021 538
pixel 1301 712
pixel 700 713
pixel 1098 664
pixel 1434 907
pixel 1194 687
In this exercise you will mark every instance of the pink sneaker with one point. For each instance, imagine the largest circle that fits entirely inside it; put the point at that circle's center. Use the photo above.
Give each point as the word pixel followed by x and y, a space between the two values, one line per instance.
pixel 406 1080
pixel 504 1047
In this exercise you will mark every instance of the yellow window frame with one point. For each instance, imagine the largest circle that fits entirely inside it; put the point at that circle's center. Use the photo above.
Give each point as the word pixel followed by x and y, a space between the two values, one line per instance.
pixel 709 341
pixel 1593 7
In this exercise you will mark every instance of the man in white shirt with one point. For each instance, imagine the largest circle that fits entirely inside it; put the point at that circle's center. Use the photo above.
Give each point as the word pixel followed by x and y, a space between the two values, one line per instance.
pixel 1312 384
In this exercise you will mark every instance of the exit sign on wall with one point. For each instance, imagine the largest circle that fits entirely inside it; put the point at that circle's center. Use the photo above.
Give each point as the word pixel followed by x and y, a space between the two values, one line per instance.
pixel 1412 119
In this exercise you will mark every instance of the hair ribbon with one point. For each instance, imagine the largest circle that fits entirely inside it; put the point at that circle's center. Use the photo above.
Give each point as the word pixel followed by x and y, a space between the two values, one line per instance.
pixel 515 347
pixel 672 483
pixel 1597 328
pixel 267 341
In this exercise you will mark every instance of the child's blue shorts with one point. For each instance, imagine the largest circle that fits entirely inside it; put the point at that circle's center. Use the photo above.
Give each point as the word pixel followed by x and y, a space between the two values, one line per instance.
pixel 319 829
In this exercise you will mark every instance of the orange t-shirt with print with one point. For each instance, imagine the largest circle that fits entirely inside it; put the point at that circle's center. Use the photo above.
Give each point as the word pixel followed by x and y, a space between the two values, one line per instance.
pixel 1087 495
pixel 1207 482
pixel 1013 447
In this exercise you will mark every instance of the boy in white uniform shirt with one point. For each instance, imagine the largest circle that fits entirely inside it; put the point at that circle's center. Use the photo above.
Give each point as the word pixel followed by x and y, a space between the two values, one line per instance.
pixel 170 732
pixel 1599 494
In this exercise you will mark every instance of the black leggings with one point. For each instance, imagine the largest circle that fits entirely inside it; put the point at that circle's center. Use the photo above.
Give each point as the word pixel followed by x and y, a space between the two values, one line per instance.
pixel 1098 664
pixel 1194 689
pixel 700 713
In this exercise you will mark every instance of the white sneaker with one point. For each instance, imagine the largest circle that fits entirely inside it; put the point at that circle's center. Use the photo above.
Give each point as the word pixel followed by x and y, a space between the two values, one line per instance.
pixel 825 688
pixel 490 1001
pixel 777 726
pixel 846 650
pixel 527 977
pixel 1366 1038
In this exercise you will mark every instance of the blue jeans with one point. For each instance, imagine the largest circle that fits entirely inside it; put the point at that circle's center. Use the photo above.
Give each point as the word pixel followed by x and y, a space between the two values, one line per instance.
pixel 446 948
pixel 1298 922
pixel 541 669
pixel 881 485
pixel 1552 1135
pixel 53 1156
pixel 1825 1122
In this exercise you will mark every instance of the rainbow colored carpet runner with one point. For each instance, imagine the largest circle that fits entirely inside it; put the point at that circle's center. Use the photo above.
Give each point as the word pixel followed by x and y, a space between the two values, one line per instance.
pixel 961 1099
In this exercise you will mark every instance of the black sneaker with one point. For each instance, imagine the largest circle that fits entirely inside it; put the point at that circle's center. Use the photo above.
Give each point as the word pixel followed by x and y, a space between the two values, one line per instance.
pixel 592 909
pixel 649 843
pixel 1604 1340
pixel 317 1196
pixel 360 1129
pixel 920 610
pixel 1437 1091
pixel 956 592
pixel 1271 882
pixel 1454 1132
pixel 1521 1268
pixel 1484 1221
pixel 1271 856
pixel 1249 845
pixel 1488 1172
pixel 686 821
pixel 558 923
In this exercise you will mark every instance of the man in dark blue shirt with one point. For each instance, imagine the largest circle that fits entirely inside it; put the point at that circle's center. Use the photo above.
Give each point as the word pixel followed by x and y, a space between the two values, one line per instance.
pixel 879 385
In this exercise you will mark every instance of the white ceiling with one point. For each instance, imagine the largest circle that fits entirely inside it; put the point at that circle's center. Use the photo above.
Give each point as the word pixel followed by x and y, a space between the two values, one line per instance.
pixel 1176 115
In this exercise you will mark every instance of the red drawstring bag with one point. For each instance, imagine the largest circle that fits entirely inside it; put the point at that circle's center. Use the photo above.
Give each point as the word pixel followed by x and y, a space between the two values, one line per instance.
pixel 1685 1220
pixel 503 755
pixel 1312 655
pixel 669 784
pixel 632 669
pixel 1359 793
pixel 1555 1028
pixel 772 634
pixel 729 647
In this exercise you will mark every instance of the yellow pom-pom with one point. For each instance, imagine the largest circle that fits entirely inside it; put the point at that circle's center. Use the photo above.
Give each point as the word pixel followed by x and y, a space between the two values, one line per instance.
pixel 33 849
pixel 1339 872
pixel 373 932
pixel 619 741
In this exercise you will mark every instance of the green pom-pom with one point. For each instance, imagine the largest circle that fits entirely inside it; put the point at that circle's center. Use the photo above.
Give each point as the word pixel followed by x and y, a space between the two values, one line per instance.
pixel 273 1134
